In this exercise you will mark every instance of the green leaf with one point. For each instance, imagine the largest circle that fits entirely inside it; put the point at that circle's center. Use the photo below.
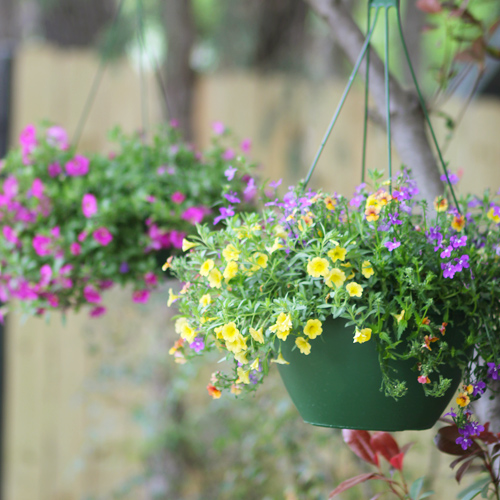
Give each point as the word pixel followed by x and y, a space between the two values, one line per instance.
pixel 416 487
pixel 474 489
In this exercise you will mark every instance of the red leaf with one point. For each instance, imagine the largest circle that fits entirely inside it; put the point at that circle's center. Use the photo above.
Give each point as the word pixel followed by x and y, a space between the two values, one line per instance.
pixel 353 481
pixel 463 469
pixel 406 447
pixel 397 461
pixel 385 444
pixel 429 6
pixel 445 442
pixel 359 442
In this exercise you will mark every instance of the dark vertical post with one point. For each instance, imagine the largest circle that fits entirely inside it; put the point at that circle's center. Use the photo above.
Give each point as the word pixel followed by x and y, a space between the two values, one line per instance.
pixel 6 66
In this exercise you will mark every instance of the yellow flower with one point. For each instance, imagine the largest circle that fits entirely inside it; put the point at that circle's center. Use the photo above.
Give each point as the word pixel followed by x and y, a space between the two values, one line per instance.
pixel 303 345
pixel 280 232
pixel 255 364
pixel 229 331
pixel 171 297
pixel 440 204
pixel 206 267
pixel 241 357
pixel 280 360
pixel 213 391
pixel 231 270
pixel 243 375
pixel 458 223
pixel 313 328
pixel 235 389
pixel 400 317
pixel 317 267
pixel 283 323
pixel 260 259
pixel 330 203
pixel 362 335
pixel 231 253
pixel 283 334
pixel 276 246
pixel 491 215
pixel 188 332
pixel 239 344
pixel 168 263
pixel 463 399
pixel 218 332
pixel 335 277
pixel 367 269
pixel 337 253
pixel 371 213
pixel 205 300
pixel 257 335
pixel 187 245
pixel 214 278
pixel 179 324
pixel 383 197
pixel 354 289
pixel 469 389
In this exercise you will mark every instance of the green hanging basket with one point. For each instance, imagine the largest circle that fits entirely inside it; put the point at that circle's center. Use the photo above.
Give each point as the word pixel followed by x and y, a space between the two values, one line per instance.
pixel 338 384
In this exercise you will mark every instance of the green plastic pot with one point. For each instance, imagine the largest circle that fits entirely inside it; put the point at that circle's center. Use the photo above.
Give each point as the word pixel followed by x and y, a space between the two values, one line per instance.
pixel 338 384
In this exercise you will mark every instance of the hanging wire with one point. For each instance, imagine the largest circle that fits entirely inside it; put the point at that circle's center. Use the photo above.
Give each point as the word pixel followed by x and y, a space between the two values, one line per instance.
pixel 388 99
pixel 96 82
pixel 367 86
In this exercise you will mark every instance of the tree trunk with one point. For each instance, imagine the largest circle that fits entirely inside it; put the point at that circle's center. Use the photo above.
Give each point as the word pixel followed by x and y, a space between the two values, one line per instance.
pixel 408 125
pixel 181 35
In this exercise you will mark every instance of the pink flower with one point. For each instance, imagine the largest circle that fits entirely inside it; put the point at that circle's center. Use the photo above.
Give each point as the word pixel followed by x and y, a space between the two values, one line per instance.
pixel 37 188
pixel 56 231
pixel 54 169
pixel 250 191
pixel 91 295
pixel 218 128
pixel 97 311
pixel 102 236
pixel 53 300
pixel 194 215
pixel 25 291
pixel 150 199
pixel 150 279
pixel 28 142
pixel 66 269
pixel 161 170
pixel 82 236
pixel 105 284
pixel 174 123
pixel 10 187
pixel 66 282
pixel 57 136
pixel 41 244
pixel 75 248
pixel 178 197
pixel 423 379
pixel 246 145
pixel 10 235
pixel 45 275
pixel 78 166
pixel 228 155
pixel 89 205
pixel 141 296
pixel 176 238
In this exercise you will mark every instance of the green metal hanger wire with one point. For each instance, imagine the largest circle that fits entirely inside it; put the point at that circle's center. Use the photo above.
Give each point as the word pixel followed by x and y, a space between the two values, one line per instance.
pixel 378 6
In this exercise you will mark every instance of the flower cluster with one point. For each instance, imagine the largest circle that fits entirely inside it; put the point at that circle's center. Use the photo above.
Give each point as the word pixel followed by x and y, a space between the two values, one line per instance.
pixel 420 283
pixel 73 225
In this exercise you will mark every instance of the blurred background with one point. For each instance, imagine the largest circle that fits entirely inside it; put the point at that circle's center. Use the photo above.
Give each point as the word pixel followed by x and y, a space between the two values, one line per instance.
pixel 96 409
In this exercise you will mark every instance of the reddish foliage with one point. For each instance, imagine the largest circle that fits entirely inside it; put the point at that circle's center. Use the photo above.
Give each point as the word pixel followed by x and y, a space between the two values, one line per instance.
pixel 359 442
pixel 429 6
pixel 385 444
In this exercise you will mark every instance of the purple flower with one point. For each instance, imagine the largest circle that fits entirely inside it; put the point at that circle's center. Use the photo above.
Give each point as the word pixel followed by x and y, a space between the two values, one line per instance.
pixel 124 268
pixel 449 269
pixel 458 242
pixel 479 388
pixel 356 200
pixel 464 441
pixel 78 166
pixel 275 184
pixel 224 214
pixel 229 172
pixel 446 252
pixel 250 191
pixel 393 219
pixel 493 371
pixel 453 178
pixel 451 413
pixel 253 378
pixel 474 203
pixel 232 197
pixel 197 345
pixel 391 245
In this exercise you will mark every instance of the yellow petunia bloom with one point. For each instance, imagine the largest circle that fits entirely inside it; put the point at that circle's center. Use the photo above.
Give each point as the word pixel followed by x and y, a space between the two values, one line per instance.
pixel 218 332
pixel 235 389
pixel 362 336
pixel 458 223
pixel 239 344
pixel 440 204
pixel 188 333
pixel 241 357
pixel 231 270
pixel 313 328
pixel 179 324
pixel 206 267
pixel 276 246
pixel 372 213
pixel 260 259
pixel 229 331
pixel 215 278
pixel 367 269
pixel 257 335
pixel 243 375
pixel 171 297
pixel 491 215
pixel 283 334
pixel 354 289
pixel 335 277
pixel 399 317
pixel 280 232
pixel 463 399
pixel 280 360
pixel 255 364
pixel 317 267
pixel 330 203
pixel 187 245
pixel 337 253
pixel 230 253
pixel 303 345
pixel 205 300
pixel 283 323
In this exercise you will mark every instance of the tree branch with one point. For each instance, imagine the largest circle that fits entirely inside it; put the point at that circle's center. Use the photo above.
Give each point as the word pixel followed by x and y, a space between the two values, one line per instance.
pixel 408 125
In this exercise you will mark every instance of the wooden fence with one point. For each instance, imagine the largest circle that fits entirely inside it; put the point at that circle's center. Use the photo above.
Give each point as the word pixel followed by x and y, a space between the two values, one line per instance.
pixel 65 438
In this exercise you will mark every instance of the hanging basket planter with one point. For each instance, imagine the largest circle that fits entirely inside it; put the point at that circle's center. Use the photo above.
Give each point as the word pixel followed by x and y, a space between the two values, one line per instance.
pixel 339 385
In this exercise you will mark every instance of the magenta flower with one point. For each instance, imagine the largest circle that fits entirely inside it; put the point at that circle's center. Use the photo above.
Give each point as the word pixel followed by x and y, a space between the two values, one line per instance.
pixel 229 173
pixel 41 244
pixel 102 236
pixel 174 123
pixel 25 291
pixel 105 284
pixel 10 235
pixel 57 136
pixel 218 128
pixel 246 145
pixel 178 197
pixel 391 245
pixel 56 231
pixel 75 248
pixel 89 205
pixel 453 178
pixel 37 188
pixel 150 279
pixel 194 215
pixel 232 197
pixel 141 296
pixel 78 166
pixel 28 142
pixel 275 184
pixel 53 300
pixel 446 252
pixel 250 191
pixel 150 198
pixel 82 236
pixel 97 311
pixel 91 295
pixel 45 275
pixel 228 155
pixel 10 187
pixel 176 238
pixel 54 169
